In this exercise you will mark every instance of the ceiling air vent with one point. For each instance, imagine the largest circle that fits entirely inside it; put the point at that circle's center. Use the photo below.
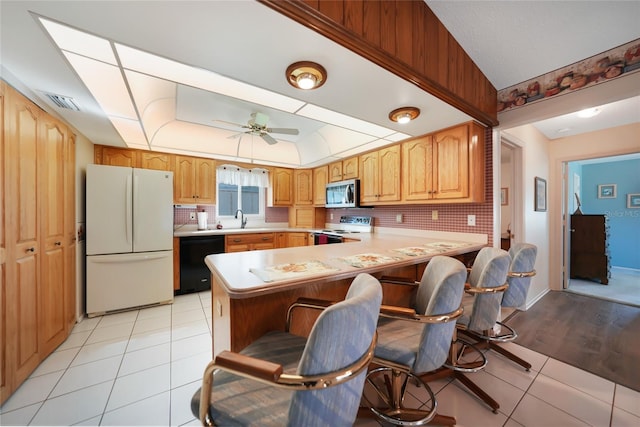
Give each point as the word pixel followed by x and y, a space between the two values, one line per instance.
pixel 63 101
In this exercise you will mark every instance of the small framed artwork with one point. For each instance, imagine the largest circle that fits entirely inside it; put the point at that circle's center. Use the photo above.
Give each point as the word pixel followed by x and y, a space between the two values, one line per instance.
pixel 504 196
pixel 633 201
pixel 540 195
pixel 607 191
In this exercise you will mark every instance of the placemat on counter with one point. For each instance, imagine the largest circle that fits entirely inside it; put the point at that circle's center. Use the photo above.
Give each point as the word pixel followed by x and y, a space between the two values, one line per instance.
pixel 368 260
pixel 418 251
pixel 292 270
pixel 447 245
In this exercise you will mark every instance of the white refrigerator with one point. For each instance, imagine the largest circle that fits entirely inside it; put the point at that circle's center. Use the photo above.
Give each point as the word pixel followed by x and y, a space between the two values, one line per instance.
pixel 129 225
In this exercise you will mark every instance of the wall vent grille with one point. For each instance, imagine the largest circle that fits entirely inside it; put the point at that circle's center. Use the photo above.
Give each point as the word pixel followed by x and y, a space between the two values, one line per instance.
pixel 63 101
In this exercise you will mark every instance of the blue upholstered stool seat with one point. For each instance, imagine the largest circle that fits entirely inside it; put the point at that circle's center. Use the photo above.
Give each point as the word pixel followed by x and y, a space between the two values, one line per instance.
pixel 251 402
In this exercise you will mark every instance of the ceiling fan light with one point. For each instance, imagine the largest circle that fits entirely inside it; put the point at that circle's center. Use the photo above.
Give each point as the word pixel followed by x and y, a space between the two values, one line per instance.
pixel 306 75
pixel 404 115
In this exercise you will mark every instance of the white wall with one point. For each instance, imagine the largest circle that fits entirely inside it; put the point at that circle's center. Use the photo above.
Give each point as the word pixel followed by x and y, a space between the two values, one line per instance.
pixel 535 151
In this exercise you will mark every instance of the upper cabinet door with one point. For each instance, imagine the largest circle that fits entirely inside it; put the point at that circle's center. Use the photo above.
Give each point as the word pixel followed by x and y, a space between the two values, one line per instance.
pixel 303 181
pixel 320 179
pixel 451 149
pixel 417 167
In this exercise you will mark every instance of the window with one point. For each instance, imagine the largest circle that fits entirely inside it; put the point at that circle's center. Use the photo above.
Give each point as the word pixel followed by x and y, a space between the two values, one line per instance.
pixel 233 197
pixel 240 188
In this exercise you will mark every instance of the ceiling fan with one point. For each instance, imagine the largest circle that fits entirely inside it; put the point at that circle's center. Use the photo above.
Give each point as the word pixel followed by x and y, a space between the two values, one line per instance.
pixel 257 125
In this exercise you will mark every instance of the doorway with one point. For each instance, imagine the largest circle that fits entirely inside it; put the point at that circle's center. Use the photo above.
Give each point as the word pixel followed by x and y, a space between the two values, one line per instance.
pixel 509 192
pixel 582 198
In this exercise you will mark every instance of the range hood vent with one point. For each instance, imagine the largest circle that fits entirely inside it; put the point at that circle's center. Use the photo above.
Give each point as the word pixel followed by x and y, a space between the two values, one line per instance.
pixel 65 102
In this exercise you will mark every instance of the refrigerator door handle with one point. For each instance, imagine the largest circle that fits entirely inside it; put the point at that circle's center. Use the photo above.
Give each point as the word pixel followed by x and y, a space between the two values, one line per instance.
pixel 128 210
pixel 136 184
pixel 126 258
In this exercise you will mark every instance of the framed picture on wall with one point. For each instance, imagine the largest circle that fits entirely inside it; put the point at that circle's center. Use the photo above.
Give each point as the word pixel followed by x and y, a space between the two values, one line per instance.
pixel 607 191
pixel 504 196
pixel 633 201
pixel 540 196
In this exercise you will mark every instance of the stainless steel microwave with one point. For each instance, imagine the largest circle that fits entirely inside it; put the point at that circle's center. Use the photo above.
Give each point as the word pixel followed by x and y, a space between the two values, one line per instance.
pixel 343 194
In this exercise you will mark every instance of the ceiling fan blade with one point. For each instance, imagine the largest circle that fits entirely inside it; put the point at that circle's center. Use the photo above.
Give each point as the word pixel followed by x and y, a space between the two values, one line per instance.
pixel 234 136
pixel 268 138
pixel 286 131
pixel 229 123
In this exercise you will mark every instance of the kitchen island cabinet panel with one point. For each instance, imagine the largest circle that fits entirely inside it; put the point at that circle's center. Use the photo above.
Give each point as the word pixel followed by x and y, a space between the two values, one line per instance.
pixel 244 306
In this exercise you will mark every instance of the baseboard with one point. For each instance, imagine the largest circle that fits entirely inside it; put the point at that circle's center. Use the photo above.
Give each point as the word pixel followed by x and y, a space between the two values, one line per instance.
pixel 626 270
pixel 530 304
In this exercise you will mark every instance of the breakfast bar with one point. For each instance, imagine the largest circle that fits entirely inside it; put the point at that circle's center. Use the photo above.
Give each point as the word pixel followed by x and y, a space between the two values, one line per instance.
pixel 252 290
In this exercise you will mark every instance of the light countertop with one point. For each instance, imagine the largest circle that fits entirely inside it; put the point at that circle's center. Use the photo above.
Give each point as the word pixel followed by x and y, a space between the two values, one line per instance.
pixel 232 270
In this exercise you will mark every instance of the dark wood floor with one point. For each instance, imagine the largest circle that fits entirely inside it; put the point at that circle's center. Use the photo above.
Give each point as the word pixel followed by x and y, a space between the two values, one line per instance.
pixel 595 335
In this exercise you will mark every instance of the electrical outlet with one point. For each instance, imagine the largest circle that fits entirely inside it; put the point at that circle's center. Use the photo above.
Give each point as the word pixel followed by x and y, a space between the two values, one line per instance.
pixel 192 215
pixel 399 218
pixel 331 216
pixel 471 220
pixel 434 215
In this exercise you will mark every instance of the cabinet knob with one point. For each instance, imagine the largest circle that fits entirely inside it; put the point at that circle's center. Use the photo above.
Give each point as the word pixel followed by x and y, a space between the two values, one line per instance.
pixel 30 250
pixel 58 243
pixel 572 230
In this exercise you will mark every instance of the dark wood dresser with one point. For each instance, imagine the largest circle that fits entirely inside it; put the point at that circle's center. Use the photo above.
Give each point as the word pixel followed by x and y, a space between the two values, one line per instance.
pixel 589 248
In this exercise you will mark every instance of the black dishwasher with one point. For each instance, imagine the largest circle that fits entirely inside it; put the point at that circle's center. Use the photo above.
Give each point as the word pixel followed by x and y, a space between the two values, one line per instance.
pixel 194 273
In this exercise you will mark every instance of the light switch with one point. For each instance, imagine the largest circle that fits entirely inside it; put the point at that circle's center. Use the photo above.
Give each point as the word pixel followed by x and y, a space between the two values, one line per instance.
pixel 399 218
pixel 471 220
pixel 434 215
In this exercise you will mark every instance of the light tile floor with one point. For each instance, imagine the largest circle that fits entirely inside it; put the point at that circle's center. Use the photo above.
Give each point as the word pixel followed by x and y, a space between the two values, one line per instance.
pixel 142 367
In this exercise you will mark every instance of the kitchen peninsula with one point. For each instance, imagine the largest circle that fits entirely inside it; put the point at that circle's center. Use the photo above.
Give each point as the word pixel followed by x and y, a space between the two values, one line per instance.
pixel 252 290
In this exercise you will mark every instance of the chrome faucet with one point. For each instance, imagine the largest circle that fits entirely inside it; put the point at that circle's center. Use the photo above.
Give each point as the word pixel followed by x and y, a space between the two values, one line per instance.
pixel 243 220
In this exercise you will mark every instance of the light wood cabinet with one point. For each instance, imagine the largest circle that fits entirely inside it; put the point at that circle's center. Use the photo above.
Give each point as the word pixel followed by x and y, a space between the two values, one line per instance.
pixel 21 151
pixel 297 239
pixel 156 161
pixel 114 156
pixel 344 169
pixel 445 166
pixel 194 180
pixel 320 179
pixel 281 187
pixel 380 176
pixel 303 190
pixel 288 239
pixel 3 253
pixel 307 217
pixel 38 298
pixel 249 242
pixel 51 322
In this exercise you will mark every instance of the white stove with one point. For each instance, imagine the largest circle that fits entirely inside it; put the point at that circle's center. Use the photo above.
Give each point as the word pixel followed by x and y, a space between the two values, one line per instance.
pixel 348 225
